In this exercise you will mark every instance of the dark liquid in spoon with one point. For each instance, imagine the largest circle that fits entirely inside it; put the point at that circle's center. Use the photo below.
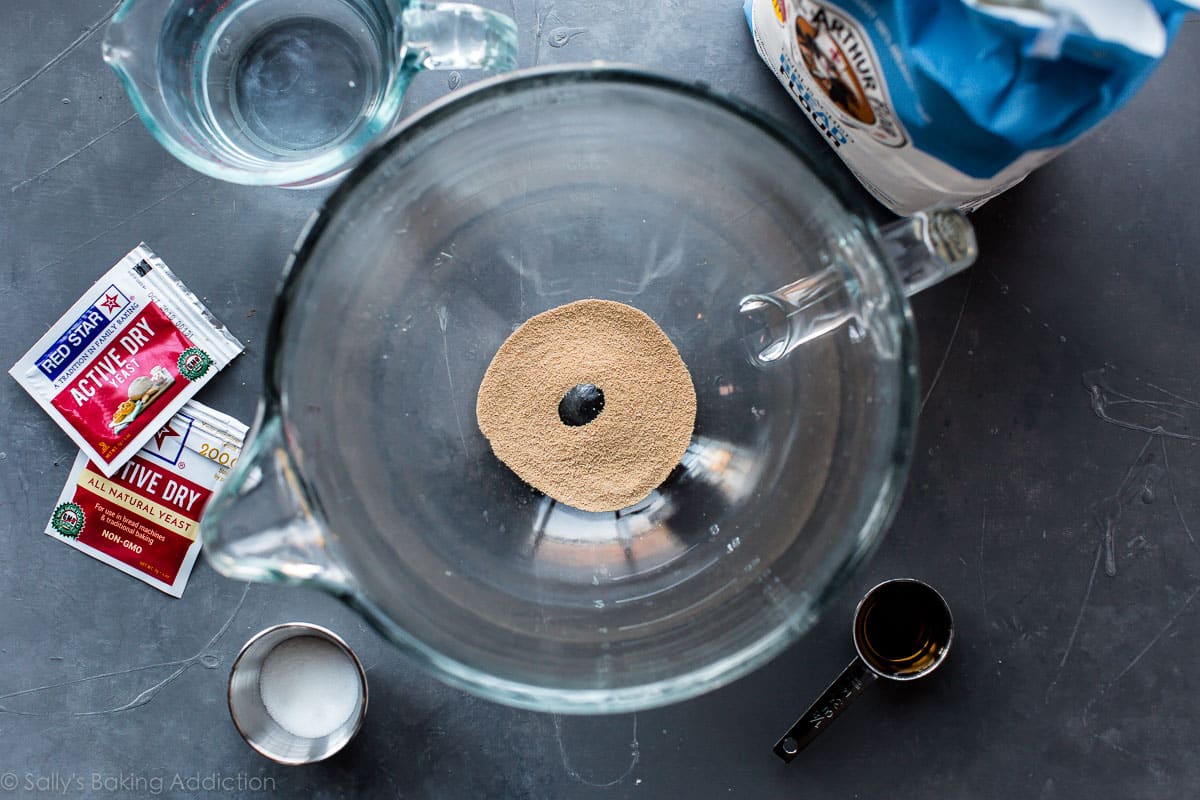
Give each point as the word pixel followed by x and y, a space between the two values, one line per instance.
pixel 903 628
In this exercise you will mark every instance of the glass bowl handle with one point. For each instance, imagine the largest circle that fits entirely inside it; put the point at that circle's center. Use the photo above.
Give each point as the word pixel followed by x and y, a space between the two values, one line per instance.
pixel 923 249
pixel 260 525
pixel 457 36
pixel 929 247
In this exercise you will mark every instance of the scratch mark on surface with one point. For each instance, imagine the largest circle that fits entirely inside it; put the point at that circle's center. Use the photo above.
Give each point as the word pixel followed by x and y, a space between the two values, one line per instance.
pixel 443 317
pixel 67 158
pixel 1103 397
pixel 1157 405
pixel 1108 514
pixel 1104 689
pixel 1087 594
pixel 124 221
pixel 635 753
pixel 1162 631
pixel 1174 497
pixel 937 375
pixel 75 681
pixel 1172 395
pixel 982 587
pixel 83 37
pixel 540 23
pixel 202 656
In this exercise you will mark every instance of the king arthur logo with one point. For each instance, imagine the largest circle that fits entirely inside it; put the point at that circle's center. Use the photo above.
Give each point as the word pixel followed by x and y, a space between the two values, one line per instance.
pixel 842 64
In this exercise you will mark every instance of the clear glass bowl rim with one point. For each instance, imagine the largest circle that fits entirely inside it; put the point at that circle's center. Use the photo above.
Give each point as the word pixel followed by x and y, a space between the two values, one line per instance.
pixel 718 672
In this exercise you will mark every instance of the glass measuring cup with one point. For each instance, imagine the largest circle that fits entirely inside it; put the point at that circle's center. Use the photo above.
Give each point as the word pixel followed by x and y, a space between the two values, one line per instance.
pixel 369 478
pixel 288 92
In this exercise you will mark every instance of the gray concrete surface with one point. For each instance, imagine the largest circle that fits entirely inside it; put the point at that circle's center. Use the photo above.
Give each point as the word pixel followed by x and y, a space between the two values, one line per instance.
pixel 1066 681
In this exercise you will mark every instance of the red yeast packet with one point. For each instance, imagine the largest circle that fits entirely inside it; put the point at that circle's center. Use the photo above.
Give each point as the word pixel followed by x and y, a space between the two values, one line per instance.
pixel 118 365
pixel 144 519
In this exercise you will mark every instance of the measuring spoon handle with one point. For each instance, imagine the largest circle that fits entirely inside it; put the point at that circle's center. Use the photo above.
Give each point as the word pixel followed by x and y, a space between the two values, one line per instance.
pixel 854 679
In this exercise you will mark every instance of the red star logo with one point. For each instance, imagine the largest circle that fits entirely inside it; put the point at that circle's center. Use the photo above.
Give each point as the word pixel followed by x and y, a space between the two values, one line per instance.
pixel 164 434
pixel 111 302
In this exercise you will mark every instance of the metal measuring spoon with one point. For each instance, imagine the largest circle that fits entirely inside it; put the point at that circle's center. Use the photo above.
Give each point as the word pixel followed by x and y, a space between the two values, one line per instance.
pixel 902 631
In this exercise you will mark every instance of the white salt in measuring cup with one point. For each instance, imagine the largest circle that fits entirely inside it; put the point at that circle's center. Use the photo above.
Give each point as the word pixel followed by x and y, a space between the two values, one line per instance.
pixel 250 715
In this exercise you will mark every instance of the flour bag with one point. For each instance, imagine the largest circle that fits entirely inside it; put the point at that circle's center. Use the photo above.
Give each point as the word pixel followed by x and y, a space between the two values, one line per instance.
pixel 954 101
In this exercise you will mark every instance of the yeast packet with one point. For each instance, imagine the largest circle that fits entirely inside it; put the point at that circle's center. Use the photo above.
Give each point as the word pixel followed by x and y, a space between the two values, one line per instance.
pixel 145 519
pixel 954 101
pixel 124 358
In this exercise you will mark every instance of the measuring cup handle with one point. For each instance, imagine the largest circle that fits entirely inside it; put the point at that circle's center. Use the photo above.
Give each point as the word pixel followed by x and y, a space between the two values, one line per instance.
pixel 832 702
pixel 458 36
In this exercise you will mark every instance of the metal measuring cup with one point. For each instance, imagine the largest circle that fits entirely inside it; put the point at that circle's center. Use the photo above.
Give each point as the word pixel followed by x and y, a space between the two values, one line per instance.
pixel 249 712
pixel 902 631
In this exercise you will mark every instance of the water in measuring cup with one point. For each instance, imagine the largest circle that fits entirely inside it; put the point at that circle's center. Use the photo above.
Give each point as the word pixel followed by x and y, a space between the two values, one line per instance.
pixel 286 80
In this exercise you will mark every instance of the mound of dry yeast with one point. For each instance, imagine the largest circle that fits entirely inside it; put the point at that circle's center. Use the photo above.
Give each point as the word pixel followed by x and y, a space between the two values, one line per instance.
pixel 590 403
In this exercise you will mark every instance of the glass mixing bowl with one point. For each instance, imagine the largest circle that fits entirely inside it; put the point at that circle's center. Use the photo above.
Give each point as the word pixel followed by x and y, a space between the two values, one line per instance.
pixel 369 477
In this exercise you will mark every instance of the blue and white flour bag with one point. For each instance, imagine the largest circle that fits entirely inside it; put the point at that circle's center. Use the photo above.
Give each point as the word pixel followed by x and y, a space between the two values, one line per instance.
pixel 954 101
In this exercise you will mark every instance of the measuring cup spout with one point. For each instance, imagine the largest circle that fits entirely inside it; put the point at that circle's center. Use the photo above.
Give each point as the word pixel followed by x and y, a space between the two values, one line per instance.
pixel 120 37
pixel 129 47
pixel 134 27
pixel 261 527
